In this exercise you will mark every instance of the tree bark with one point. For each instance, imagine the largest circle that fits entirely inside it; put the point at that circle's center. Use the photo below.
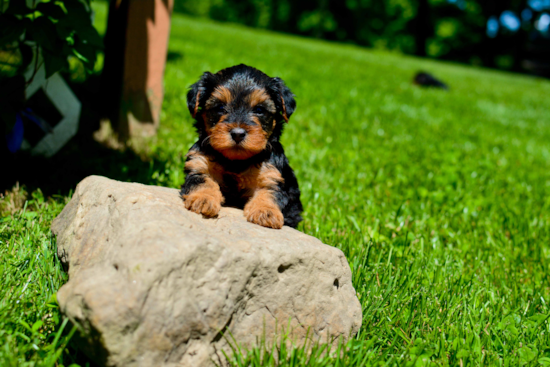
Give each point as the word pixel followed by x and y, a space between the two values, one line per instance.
pixel 136 49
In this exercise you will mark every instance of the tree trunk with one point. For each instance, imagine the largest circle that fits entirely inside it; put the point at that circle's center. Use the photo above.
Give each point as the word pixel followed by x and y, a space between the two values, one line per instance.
pixel 136 49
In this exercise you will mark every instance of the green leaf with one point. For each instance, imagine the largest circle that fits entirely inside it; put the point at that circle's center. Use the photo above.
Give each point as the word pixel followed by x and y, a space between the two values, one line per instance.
pixel 18 8
pixel 78 25
pixel 526 354
pixel 51 9
pixel 86 53
pixel 423 360
pixel 88 34
pixel 76 8
pixel 43 32
pixel 27 56
pixel 12 29
pixel 53 63
pixel 64 28
pixel 52 299
pixel 80 56
pixel 24 323
pixel 37 325
pixel 77 14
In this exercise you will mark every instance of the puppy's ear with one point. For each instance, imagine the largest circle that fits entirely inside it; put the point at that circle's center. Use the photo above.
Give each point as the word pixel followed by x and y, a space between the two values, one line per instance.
pixel 193 98
pixel 283 98
pixel 199 93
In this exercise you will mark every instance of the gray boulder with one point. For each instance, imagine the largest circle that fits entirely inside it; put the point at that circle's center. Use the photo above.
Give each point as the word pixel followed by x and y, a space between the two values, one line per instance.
pixel 153 284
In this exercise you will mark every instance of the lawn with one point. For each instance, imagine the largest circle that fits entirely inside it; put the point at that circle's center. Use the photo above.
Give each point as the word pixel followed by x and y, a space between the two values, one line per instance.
pixel 440 200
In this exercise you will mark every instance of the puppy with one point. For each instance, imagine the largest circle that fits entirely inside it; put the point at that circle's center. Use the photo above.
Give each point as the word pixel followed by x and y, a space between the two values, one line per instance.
pixel 238 160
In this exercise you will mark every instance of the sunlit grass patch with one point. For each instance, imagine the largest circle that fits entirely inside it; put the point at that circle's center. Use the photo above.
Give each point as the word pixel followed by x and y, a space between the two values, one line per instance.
pixel 32 331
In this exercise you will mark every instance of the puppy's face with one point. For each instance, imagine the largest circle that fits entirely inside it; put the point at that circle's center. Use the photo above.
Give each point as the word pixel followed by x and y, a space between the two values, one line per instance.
pixel 238 110
pixel 239 119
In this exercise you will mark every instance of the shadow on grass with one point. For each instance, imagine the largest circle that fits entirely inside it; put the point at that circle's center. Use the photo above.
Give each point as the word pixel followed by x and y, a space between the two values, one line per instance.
pixel 173 56
pixel 80 158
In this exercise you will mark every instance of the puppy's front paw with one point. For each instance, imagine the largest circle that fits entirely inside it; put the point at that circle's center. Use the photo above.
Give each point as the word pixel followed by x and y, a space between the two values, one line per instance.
pixel 264 215
pixel 202 203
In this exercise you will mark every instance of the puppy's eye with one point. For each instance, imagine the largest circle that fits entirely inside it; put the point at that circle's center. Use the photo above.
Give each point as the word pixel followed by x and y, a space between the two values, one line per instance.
pixel 259 110
pixel 219 108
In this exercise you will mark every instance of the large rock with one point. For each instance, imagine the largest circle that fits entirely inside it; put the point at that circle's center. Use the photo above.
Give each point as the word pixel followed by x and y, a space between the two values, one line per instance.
pixel 153 284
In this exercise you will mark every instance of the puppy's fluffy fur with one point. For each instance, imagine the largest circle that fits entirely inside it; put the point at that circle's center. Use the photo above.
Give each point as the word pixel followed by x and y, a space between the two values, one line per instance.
pixel 238 160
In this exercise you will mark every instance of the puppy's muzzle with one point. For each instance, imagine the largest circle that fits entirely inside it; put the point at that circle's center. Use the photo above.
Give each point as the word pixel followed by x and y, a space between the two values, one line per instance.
pixel 238 134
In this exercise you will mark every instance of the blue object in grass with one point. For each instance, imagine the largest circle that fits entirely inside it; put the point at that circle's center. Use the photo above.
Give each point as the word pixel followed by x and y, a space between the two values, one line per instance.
pixel 15 136
pixel 29 114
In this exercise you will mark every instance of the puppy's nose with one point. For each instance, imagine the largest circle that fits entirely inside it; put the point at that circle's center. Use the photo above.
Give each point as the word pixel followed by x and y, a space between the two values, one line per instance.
pixel 238 134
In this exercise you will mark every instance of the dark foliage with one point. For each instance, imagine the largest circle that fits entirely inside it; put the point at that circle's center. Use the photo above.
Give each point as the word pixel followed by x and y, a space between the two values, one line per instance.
pixel 53 31
pixel 444 29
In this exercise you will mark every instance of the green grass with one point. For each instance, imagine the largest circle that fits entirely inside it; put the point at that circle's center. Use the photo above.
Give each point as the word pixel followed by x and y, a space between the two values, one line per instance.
pixel 31 327
pixel 440 200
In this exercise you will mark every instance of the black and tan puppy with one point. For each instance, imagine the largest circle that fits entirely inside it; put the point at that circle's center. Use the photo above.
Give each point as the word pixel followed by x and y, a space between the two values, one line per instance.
pixel 238 160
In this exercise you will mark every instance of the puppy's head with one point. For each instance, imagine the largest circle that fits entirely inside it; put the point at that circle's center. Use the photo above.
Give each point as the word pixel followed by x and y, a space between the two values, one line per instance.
pixel 239 110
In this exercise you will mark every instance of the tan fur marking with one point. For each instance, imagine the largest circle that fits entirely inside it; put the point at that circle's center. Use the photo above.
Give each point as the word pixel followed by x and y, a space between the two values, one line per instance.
pixel 256 138
pixel 269 176
pixel 222 94
pixel 254 142
pixel 284 109
pixel 220 137
pixel 261 209
pixel 257 178
pixel 197 163
pixel 205 121
pixel 260 96
pixel 257 96
pixel 197 100
pixel 206 199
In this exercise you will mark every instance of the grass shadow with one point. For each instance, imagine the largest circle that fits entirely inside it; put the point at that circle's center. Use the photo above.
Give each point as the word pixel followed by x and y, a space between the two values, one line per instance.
pixel 81 157
pixel 173 56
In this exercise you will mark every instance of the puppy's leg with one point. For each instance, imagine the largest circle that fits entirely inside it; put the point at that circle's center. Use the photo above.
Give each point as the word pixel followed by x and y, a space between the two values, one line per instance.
pixel 205 199
pixel 262 207
pixel 201 191
pixel 263 210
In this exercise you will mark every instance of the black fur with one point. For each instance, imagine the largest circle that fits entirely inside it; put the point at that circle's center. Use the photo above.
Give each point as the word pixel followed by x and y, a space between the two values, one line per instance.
pixel 242 78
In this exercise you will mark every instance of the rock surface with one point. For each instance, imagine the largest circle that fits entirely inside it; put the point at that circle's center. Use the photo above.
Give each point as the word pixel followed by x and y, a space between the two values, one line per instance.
pixel 153 284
